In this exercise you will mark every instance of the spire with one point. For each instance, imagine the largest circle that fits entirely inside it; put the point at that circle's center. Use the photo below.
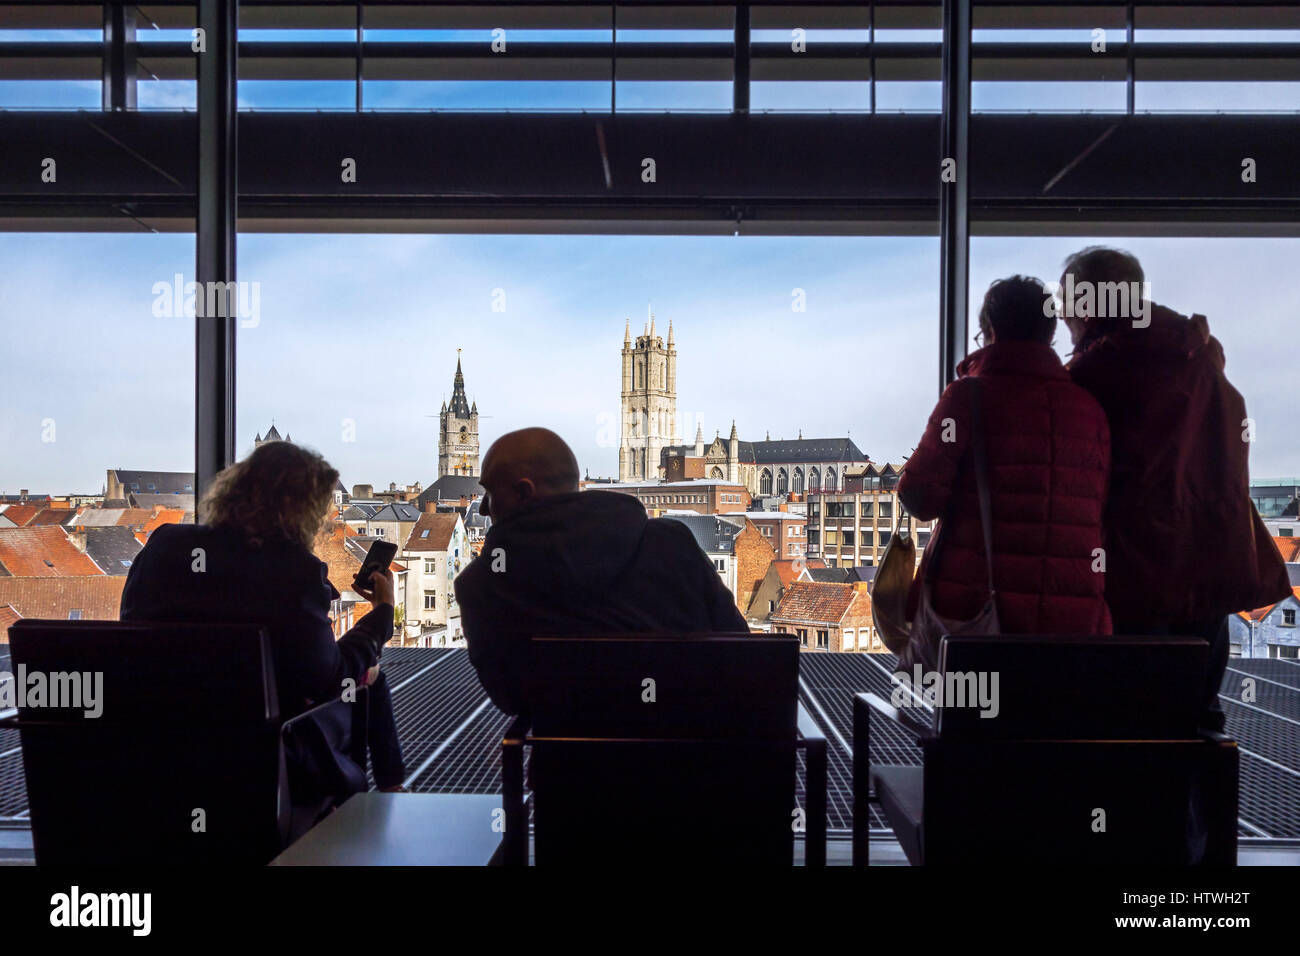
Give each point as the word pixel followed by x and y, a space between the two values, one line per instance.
pixel 733 430
pixel 670 333
pixel 652 325
pixel 459 404
pixel 699 433
pixel 627 333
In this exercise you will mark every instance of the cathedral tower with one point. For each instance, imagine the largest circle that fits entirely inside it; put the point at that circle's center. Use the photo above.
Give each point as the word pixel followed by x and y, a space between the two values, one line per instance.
pixel 458 437
pixel 649 394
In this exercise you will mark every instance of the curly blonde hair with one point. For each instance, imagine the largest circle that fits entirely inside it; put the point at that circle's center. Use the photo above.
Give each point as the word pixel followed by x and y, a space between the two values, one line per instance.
pixel 278 493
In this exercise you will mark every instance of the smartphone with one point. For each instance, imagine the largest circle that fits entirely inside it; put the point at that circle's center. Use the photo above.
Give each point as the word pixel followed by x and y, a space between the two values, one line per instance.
pixel 379 557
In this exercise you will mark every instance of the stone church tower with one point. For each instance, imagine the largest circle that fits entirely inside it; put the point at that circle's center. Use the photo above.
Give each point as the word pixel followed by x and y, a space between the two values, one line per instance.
pixel 649 393
pixel 458 437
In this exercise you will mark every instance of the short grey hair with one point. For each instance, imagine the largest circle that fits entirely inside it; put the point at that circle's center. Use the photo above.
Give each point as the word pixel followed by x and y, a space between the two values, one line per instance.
pixel 1103 264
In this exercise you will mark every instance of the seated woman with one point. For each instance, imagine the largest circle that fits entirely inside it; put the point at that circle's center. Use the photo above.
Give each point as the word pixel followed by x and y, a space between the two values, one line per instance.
pixel 252 561
pixel 1047 446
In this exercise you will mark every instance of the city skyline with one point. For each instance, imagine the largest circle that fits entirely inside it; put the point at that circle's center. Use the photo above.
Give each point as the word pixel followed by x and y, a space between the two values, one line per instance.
pixel 860 362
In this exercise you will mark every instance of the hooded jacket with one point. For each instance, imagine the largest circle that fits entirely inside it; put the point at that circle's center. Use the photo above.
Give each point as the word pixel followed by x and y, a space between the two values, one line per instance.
pixel 590 562
pixel 1047 449
pixel 1183 540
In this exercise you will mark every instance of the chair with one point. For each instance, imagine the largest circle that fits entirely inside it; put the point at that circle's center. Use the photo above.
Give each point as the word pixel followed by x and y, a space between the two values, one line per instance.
pixel 185 765
pixel 1094 757
pixel 663 749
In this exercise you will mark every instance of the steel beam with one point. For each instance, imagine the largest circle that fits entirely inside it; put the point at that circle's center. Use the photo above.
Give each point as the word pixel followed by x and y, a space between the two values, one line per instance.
pixel 954 189
pixel 119 64
pixel 215 235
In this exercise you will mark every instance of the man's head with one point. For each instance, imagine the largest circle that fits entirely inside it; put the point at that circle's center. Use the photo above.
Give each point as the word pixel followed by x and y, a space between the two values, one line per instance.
pixel 1013 312
pixel 525 465
pixel 1089 268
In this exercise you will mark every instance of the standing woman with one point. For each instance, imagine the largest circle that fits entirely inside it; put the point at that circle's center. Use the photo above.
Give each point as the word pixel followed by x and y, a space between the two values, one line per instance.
pixel 1047 447
pixel 262 515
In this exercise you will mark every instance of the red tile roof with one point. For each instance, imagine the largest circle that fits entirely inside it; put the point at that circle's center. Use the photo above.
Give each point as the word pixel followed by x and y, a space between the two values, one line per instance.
pixel 49 516
pixel 161 516
pixel 97 598
pixel 21 514
pixel 25 551
pixel 439 528
pixel 137 517
pixel 813 601
pixel 1290 548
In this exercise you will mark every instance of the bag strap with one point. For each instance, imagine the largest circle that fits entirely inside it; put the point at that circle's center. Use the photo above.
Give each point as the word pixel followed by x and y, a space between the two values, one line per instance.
pixel 981 473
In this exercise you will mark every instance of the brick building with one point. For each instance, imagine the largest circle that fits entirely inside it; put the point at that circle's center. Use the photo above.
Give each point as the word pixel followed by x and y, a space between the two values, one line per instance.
pixel 702 497
pixel 786 532
pixel 827 617
pixel 780 575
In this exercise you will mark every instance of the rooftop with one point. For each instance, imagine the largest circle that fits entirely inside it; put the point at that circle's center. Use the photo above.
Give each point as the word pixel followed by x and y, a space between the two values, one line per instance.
pixel 817 602
pixel 432 532
pixel 43 551
pixel 713 534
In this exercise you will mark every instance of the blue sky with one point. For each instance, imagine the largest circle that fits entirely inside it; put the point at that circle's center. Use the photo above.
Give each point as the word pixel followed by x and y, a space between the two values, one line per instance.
pixel 364 329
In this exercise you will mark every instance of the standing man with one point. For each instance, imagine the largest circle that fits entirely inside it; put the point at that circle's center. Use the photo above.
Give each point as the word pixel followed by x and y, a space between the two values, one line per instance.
pixel 1184 546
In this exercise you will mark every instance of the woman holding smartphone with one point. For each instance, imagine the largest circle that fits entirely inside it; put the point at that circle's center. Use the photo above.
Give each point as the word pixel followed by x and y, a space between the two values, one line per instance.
pixel 251 560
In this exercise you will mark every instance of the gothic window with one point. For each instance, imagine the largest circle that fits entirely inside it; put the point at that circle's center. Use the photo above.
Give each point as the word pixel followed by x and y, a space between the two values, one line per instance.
pixel 814 479
pixel 830 479
pixel 782 482
pixel 765 482
pixel 716 473
pixel 798 481
pixel 645 422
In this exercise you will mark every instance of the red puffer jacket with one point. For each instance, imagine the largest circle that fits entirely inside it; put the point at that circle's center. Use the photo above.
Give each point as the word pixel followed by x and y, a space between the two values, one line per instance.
pixel 1048 450
pixel 1183 540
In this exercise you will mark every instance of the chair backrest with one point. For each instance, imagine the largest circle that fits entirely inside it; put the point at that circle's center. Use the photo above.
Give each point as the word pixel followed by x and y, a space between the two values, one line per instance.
pixel 663 747
pixel 1093 755
pixel 181 764
pixel 1071 687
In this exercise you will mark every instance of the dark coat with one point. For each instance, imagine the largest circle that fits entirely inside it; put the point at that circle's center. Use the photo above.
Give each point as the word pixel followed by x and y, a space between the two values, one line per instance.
pixel 286 588
pixel 1183 540
pixel 1048 456
pixel 584 563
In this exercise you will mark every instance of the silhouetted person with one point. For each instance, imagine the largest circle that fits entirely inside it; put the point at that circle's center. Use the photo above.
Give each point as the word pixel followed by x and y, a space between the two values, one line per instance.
pixel 564 562
pixel 252 561
pixel 1048 455
pixel 1184 545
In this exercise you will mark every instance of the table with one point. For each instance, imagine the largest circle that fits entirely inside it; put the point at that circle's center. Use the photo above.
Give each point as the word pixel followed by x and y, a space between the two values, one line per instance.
pixel 403 829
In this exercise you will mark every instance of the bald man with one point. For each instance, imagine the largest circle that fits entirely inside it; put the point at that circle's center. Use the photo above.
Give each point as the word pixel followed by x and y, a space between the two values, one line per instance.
pixel 561 561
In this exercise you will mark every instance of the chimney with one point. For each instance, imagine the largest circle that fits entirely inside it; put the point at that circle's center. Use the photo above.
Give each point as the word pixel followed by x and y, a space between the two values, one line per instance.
pixel 78 539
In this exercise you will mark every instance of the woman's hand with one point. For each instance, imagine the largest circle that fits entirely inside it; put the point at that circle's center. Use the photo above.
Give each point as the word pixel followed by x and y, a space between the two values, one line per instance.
pixel 381 588
pixel 372 675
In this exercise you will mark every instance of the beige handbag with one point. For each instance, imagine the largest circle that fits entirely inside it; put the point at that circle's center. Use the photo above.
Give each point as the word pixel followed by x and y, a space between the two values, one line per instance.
pixel 890 590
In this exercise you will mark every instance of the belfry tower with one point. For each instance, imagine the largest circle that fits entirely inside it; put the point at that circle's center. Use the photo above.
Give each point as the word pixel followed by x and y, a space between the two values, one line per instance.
pixel 649 402
pixel 458 438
